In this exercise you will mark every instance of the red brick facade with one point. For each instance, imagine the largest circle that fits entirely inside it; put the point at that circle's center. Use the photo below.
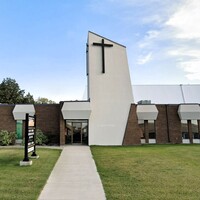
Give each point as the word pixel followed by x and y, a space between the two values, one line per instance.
pixel 7 121
pixel 132 132
pixel 47 119
pixel 50 120
pixel 167 125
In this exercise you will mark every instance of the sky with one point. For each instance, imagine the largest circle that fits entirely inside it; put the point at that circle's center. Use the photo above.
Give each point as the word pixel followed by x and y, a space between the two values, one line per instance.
pixel 43 42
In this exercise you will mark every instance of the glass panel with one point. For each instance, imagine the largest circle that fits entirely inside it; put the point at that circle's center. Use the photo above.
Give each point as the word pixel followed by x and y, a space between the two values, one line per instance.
pixel 184 129
pixel 152 130
pixel 69 132
pixel 19 129
pixel 85 133
pixel 195 130
pixel 76 131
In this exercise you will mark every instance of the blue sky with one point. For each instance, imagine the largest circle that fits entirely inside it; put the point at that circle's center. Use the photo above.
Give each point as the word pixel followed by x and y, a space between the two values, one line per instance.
pixel 42 42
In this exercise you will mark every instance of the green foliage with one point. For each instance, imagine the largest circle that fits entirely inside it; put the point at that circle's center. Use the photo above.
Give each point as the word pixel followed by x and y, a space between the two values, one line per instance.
pixel 11 93
pixel 12 137
pixel 28 99
pixel 40 137
pixel 43 100
pixel 7 138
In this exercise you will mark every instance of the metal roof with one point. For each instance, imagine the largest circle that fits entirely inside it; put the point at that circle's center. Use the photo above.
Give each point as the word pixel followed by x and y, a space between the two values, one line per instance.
pixel 167 94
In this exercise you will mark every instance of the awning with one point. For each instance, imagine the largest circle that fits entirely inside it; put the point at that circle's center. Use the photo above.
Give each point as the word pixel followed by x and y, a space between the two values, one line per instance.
pixel 76 110
pixel 189 111
pixel 147 112
pixel 19 111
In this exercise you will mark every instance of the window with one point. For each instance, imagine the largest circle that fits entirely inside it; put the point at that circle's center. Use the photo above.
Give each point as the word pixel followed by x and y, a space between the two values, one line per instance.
pixel 184 129
pixel 150 126
pixel 195 130
pixel 19 128
pixel 76 131
pixel 190 127
pixel 152 130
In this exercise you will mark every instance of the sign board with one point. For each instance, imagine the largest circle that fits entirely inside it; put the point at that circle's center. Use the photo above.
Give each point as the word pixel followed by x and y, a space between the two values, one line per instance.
pixel 30 136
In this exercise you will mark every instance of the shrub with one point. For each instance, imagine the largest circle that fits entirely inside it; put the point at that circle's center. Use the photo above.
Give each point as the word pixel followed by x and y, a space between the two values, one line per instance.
pixel 12 137
pixel 40 137
pixel 6 138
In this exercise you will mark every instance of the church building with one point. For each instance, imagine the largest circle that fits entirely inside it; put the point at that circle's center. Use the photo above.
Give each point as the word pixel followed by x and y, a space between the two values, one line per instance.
pixel 115 112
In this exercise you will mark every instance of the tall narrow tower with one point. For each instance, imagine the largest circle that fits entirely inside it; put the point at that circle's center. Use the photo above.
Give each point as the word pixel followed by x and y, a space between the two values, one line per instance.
pixel 109 90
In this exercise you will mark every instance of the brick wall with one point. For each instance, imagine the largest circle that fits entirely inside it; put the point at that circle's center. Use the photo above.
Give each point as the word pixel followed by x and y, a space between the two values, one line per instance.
pixel 162 133
pixel 48 120
pixel 168 126
pixel 51 122
pixel 62 127
pixel 7 121
pixel 133 132
pixel 174 124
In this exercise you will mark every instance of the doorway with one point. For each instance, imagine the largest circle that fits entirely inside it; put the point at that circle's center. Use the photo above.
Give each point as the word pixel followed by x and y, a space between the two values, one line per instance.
pixel 76 132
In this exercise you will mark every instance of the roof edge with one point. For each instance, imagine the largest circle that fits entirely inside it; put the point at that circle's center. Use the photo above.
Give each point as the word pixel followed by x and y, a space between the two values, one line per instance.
pixel 106 38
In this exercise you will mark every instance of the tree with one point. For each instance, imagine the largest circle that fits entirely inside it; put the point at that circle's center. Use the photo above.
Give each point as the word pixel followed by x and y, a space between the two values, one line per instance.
pixel 11 93
pixel 43 100
pixel 28 99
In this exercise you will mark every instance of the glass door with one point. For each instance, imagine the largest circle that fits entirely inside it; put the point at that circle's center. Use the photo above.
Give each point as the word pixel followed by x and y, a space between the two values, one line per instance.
pixel 76 132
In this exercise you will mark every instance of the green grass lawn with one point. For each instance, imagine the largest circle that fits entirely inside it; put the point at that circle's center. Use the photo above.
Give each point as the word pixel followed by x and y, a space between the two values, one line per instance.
pixel 149 172
pixel 24 183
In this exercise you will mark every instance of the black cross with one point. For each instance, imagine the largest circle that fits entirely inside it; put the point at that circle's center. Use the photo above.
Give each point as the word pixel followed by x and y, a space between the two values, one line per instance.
pixel 102 44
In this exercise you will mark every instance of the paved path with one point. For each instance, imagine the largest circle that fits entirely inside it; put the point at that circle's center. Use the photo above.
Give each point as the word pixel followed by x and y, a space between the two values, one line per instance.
pixel 74 177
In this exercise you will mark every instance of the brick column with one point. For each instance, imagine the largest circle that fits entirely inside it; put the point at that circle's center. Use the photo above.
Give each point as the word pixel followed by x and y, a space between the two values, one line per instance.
pixel 62 127
pixel 133 132
pixel 189 123
pixel 146 131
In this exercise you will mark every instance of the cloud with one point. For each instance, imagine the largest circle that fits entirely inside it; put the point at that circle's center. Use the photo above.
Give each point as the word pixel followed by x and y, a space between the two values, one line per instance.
pixel 186 20
pixel 168 30
pixel 177 39
pixel 192 69
pixel 144 59
pixel 188 60
pixel 148 38
pixel 185 32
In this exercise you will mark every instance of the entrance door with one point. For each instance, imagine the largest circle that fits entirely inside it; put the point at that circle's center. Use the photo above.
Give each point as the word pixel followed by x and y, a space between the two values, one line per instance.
pixel 76 132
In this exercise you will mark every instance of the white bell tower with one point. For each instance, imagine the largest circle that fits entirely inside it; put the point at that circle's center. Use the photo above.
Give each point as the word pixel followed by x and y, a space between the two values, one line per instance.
pixel 109 90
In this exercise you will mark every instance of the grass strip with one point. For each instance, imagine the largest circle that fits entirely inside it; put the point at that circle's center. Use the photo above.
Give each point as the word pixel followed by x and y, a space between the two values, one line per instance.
pixel 24 183
pixel 149 172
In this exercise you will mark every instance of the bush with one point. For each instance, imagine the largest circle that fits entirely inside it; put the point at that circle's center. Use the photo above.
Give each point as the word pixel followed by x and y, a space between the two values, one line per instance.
pixel 40 137
pixel 12 137
pixel 7 138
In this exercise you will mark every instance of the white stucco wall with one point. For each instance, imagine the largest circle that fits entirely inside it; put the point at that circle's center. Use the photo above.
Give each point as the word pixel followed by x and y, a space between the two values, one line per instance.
pixel 110 93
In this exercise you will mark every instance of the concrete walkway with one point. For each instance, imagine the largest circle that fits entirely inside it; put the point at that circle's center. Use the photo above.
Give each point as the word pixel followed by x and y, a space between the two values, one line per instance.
pixel 74 177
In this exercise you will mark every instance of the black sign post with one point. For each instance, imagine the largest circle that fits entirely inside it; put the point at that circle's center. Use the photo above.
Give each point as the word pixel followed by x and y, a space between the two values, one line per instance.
pixel 30 136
